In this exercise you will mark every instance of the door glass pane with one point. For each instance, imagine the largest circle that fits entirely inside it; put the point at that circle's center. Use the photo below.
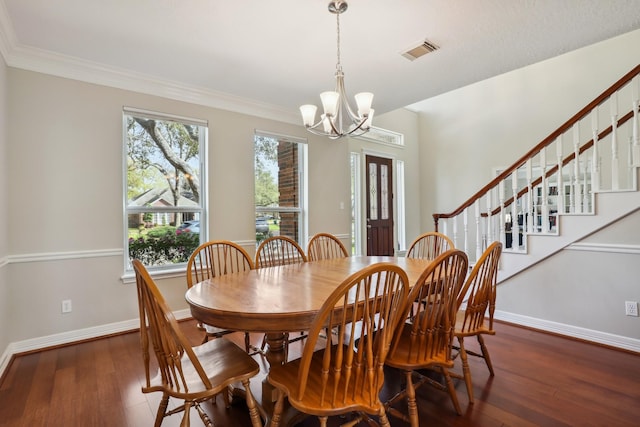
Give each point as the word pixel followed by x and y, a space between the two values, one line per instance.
pixel 384 192
pixel 373 191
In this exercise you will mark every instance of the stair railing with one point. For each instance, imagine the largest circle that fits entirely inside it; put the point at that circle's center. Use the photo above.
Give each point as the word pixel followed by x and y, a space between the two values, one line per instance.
pixel 527 197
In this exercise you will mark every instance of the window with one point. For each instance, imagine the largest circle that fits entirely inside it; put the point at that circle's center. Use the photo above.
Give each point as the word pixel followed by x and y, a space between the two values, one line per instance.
pixel 356 222
pixel 280 187
pixel 165 183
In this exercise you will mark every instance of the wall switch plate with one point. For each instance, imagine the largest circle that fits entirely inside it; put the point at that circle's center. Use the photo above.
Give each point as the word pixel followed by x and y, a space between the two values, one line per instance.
pixel 66 306
pixel 631 308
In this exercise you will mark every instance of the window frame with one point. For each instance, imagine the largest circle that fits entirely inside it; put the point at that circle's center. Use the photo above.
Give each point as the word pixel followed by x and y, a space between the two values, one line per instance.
pixel 302 208
pixel 168 269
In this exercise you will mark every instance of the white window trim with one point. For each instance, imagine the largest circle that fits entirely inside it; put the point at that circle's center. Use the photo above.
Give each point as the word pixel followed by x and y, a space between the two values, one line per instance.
pixel 168 270
pixel 303 179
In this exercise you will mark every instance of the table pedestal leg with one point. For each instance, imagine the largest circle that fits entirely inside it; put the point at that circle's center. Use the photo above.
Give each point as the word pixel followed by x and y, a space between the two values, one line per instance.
pixel 275 355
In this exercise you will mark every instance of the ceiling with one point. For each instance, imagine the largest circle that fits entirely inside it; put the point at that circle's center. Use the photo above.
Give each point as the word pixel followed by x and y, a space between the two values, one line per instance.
pixel 281 54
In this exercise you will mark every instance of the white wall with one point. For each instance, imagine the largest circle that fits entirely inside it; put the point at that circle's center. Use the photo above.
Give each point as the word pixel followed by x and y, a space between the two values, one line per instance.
pixel 4 212
pixel 467 133
pixel 584 286
pixel 65 172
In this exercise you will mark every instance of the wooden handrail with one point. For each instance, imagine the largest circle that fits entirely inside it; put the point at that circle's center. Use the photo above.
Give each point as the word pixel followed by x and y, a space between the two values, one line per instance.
pixel 544 143
pixel 553 169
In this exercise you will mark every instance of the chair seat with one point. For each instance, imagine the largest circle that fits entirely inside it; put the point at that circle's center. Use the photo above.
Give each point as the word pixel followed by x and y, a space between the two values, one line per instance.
pixel 459 331
pixel 286 377
pixel 223 362
pixel 403 356
pixel 213 330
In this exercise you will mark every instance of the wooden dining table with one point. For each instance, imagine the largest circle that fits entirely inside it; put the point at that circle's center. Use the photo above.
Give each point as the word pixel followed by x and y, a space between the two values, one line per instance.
pixel 280 299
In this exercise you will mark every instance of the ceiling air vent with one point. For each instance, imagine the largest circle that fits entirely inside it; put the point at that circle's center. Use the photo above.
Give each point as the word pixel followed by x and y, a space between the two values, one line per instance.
pixel 421 49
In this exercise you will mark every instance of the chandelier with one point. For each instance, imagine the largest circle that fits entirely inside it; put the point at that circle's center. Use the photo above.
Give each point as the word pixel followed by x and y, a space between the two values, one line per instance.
pixel 338 119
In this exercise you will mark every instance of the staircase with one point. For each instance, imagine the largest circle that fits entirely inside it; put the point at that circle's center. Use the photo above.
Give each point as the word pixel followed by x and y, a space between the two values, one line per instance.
pixel 579 179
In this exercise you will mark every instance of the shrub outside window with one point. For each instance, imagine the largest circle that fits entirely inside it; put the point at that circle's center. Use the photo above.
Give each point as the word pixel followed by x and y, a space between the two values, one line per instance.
pixel 165 216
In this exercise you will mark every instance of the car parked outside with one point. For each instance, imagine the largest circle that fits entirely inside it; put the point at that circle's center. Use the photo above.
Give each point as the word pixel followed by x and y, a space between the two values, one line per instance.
pixel 262 226
pixel 192 226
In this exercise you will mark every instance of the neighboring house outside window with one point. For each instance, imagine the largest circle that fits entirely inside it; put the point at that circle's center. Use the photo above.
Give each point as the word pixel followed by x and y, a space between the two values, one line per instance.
pixel 280 187
pixel 165 180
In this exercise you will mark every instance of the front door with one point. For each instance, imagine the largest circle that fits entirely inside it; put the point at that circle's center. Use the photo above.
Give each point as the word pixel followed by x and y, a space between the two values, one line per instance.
pixel 379 206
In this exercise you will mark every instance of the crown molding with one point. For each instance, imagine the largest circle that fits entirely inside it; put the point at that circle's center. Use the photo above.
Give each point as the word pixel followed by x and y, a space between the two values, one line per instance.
pixel 47 62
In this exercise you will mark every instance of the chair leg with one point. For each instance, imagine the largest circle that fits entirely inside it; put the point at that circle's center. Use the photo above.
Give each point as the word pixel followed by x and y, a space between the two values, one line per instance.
pixel 186 422
pixel 251 404
pixel 247 342
pixel 465 369
pixel 412 407
pixel 452 390
pixel 277 410
pixel 203 416
pixel 485 354
pixel 226 397
pixel 162 409
pixel 384 421
pixel 323 421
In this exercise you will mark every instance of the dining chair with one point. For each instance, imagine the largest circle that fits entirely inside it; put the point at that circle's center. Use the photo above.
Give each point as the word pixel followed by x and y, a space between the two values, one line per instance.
pixel 212 259
pixel 346 376
pixel 279 250
pixel 476 319
pixel 275 251
pixel 429 245
pixel 424 341
pixel 191 374
pixel 325 246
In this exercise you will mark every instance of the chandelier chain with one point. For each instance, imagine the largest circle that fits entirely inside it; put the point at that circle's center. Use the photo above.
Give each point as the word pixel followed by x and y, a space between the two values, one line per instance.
pixel 338 65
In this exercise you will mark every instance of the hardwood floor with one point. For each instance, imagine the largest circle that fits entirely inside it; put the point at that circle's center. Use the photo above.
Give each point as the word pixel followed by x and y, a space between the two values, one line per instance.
pixel 541 380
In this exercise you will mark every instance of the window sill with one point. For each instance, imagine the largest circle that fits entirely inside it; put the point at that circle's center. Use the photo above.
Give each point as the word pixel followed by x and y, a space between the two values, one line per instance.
pixel 130 276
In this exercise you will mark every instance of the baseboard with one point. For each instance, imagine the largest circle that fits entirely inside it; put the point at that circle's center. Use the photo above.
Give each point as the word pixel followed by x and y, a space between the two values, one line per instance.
pixel 69 337
pixel 40 343
pixel 611 340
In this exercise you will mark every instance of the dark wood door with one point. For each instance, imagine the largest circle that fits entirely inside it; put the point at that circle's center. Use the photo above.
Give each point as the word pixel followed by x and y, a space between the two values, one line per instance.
pixel 379 206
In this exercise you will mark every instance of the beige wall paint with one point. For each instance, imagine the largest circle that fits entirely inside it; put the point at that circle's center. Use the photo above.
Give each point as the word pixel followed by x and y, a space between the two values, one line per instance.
pixel 4 211
pixel 65 171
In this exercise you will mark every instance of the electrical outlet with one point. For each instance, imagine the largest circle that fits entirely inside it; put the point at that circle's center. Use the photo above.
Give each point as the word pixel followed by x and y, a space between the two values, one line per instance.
pixel 66 306
pixel 631 308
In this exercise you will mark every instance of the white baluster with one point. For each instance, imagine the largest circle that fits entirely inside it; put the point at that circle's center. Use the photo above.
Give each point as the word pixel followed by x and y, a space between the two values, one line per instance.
pixel 560 180
pixel 455 231
pixel 595 165
pixel 585 189
pixel 615 161
pixel 465 221
pixel 489 218
pixel 531 207
pixel 478 231
pixel 636 107
pixel 503 216
pixel 576 169
pixel 630 169
pixel 545 192
pixel 514 211
pixel 572 199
